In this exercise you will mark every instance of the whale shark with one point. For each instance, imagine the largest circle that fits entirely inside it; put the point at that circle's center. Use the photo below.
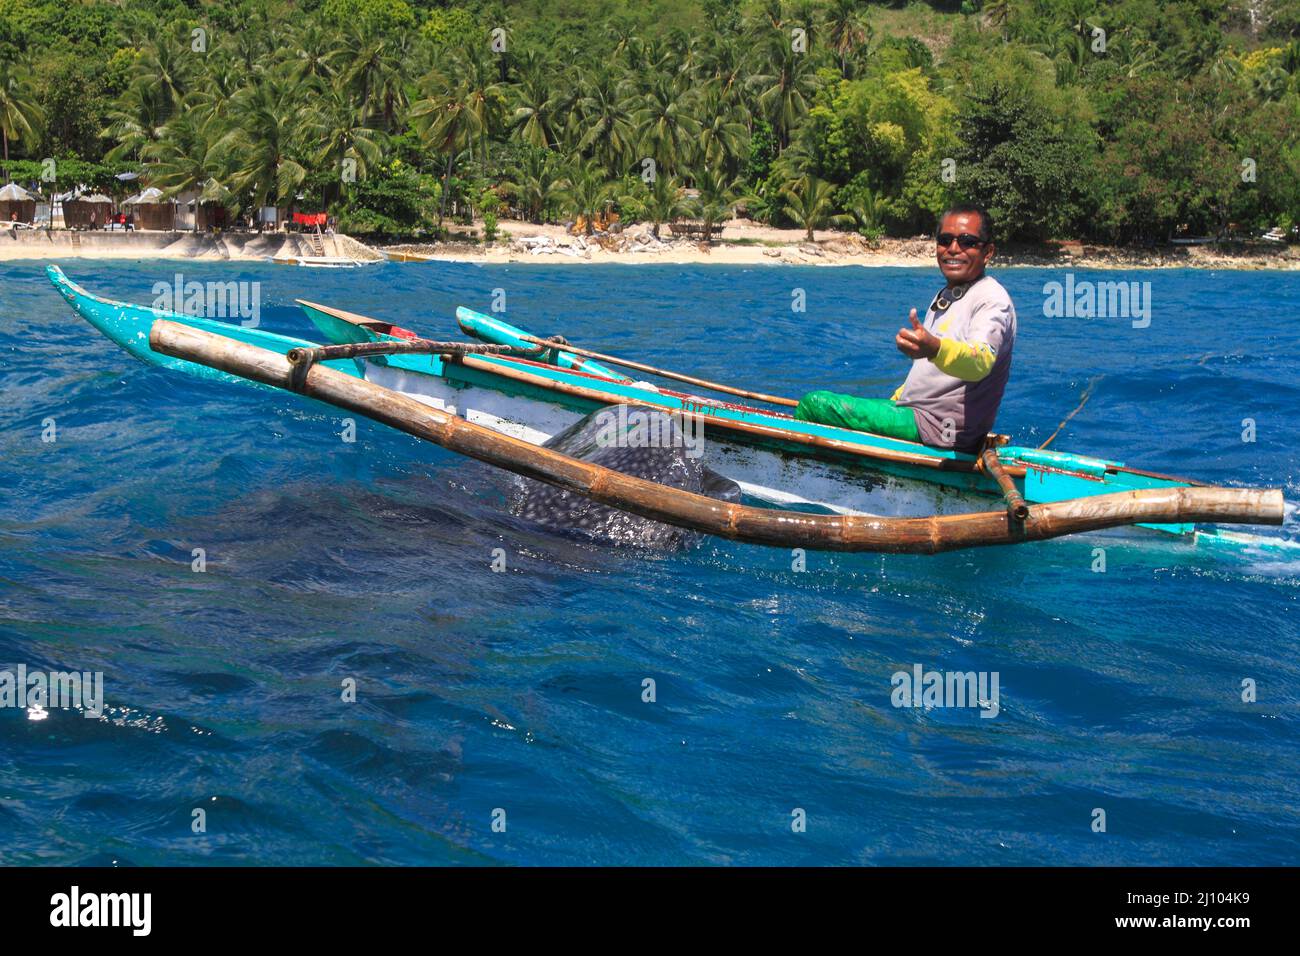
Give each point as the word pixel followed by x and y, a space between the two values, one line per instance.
pixel 637 440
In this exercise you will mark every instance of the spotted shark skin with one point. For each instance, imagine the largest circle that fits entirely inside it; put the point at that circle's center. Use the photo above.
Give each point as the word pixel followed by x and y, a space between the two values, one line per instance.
pixel 667 462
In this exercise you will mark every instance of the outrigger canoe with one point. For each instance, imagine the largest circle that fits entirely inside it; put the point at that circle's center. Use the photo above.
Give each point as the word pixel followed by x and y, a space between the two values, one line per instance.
pixel 814 474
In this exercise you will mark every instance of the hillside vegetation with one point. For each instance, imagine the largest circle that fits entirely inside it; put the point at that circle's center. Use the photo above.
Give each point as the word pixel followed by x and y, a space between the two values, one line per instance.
pixel 1122 121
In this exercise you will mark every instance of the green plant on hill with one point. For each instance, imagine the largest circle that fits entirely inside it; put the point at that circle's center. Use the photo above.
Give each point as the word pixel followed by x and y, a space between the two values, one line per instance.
pixel 1064 115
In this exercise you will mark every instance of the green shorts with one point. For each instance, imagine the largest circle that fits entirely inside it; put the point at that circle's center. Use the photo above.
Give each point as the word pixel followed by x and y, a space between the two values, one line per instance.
pixel 880 416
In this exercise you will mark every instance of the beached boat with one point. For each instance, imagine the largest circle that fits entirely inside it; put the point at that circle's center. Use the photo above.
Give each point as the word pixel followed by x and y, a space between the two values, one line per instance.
pixel 536 391
pixel 323 262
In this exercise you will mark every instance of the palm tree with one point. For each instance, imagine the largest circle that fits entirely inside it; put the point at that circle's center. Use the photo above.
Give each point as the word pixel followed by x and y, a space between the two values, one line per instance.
pixel 265 141
pixel 484 97
pixel 536 117
pixel 134 121
pixel 665 201
pixel 316 53
pixel 809 203
pixel 20 117
pixel 536 182
pixel 604 126
pixel 163 74
pixel 847 28
pixel 724 65
pixel 717 199
pixel 447 123
pixel 185 157
pixel 785 86
pixel 339 126
pixel 585 193
pixel 868 212
pixel 379 64
pixel 668 130
pixel 724 139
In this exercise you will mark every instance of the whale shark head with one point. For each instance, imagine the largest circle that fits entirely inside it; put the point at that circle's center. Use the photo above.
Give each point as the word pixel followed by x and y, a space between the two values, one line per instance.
pixel 636 440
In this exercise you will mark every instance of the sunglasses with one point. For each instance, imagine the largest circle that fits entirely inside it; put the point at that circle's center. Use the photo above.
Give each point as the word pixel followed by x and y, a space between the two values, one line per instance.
pixel 965 240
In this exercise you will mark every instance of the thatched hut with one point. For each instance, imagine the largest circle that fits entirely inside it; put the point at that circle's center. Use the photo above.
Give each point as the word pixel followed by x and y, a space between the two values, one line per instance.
pixel 151 210
pixel 16 204
pixel 86 212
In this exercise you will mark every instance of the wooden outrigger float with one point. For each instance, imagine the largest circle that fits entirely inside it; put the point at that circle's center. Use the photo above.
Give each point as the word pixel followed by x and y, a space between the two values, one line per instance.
pixel 498 401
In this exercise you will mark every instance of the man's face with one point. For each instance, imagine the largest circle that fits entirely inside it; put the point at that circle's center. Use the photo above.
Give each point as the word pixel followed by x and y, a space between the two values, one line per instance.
pixel 960 265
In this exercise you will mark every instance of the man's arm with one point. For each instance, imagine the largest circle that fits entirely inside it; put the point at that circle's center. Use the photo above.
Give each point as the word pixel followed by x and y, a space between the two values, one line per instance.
pixel 969 359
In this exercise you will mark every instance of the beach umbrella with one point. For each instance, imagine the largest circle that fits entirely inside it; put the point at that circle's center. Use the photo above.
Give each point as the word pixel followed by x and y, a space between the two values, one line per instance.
pixel 96 198
pixel 151 195
pixel 14 193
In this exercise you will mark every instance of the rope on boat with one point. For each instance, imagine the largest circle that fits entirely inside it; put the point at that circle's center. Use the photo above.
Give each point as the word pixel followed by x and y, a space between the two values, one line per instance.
pixel 774 528
pixel 1087 394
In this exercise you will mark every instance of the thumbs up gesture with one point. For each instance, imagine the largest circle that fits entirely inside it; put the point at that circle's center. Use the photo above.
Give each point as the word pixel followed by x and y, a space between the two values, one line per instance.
pixel 916 342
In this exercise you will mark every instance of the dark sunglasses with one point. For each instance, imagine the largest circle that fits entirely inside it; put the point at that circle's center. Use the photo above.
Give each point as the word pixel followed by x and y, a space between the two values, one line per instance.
pixel 965 240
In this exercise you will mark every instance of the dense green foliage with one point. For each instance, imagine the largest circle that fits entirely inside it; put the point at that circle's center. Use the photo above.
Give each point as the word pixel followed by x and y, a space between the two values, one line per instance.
pixel 1129 120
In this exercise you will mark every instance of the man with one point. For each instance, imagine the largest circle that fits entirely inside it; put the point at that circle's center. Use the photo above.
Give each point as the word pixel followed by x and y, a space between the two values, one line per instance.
pixel 961 355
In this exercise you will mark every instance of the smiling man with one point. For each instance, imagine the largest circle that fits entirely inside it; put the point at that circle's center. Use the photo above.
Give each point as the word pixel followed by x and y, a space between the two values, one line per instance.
pixel 961 355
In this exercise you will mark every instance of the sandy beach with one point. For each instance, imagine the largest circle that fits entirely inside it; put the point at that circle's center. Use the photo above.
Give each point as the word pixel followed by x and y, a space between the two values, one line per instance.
pixel 43 244
pixel 742 243
pixel 749 243
pixel 746 243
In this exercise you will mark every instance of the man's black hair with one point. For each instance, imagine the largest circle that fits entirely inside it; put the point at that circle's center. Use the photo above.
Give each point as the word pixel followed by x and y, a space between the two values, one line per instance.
pixel 970 209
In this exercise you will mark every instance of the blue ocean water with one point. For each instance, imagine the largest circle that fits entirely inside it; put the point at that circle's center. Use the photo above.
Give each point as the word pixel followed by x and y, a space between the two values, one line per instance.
pixel 517 696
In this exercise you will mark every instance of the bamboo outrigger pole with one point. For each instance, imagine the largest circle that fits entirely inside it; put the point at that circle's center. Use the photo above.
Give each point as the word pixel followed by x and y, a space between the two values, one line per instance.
pixel 992 464
pixel 556 343
pixel 782 529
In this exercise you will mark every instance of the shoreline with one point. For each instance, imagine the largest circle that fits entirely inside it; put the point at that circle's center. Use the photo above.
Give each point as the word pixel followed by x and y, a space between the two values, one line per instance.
pixel 742 243
pixel 747 244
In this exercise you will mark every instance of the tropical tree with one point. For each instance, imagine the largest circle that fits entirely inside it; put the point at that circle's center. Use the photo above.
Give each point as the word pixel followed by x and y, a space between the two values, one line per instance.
pixel 266 143
pixel 809 201
pixel 20 117
pixel 785 85
pixel 348 147
pixel 537 114
pixel 847 29
pixel 716 200
pixel 536 182
pixel 605 128
pixel 585 194
pixel 448 124
pixel 667 127
pixel 665 201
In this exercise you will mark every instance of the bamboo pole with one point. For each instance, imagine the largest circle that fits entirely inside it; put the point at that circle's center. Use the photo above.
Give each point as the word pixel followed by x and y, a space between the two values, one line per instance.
pixel 347 350
pixel 782 529
pixel 664 373
pixel 992 465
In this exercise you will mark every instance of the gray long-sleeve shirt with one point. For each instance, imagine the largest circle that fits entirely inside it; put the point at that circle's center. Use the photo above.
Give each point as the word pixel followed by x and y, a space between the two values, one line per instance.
pixel 955 395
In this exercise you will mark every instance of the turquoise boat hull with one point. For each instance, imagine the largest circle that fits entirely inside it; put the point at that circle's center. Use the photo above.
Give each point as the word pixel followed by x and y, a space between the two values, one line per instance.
pixel 819 466
pixel 1048 475
pixel 128 326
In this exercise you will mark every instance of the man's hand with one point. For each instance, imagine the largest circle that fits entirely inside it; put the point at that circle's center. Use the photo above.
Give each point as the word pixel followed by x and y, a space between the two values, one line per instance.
pixel 917 342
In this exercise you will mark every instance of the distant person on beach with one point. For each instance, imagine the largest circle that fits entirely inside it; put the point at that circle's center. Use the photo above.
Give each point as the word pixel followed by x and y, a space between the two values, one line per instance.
pixel 130 222
pixel 94 220
pixel 961 355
